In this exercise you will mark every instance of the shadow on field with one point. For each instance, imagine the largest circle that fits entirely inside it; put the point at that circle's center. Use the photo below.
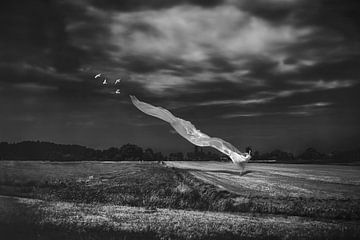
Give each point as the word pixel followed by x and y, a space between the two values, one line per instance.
pixel 22 218
pixel 28 220
pixel 247 172
pixel 33 231
pixel 54 232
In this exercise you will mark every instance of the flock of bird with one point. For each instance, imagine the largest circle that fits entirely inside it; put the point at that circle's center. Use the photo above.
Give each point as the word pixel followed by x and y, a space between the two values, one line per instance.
pixel 105 82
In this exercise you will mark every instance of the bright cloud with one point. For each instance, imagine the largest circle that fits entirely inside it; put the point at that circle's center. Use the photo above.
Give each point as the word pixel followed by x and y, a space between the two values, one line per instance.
pixel 176 32
pixel 321 84
pixel 268 96
pixel 193 35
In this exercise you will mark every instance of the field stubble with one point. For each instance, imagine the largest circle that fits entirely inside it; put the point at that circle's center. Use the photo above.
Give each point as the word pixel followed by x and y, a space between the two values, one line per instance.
pixel 155 187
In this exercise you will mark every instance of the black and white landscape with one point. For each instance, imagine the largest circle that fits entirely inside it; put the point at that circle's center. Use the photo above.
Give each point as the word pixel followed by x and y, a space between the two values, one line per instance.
pixel 272 84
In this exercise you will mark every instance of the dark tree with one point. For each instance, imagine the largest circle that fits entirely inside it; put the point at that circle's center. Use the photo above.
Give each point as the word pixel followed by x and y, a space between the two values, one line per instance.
pixel 131 152
pixel 311 154
pixel 149 155
pixel 179 156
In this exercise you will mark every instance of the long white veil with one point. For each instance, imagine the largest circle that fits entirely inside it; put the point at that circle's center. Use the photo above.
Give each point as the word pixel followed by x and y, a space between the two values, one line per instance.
pixel 187 130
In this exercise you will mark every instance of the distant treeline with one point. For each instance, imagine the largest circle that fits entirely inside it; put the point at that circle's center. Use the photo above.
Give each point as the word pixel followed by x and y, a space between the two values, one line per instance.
pixel 36 150
pixel 310 155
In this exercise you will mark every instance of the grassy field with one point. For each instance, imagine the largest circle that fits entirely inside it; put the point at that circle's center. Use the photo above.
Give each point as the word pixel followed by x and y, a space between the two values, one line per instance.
pixel 179 201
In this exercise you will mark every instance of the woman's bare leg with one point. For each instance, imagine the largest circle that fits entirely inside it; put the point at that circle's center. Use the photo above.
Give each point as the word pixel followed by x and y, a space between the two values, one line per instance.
pixel 242 166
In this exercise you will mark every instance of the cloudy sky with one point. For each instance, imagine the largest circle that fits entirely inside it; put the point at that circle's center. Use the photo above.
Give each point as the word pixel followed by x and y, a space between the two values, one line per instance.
pixel 266 73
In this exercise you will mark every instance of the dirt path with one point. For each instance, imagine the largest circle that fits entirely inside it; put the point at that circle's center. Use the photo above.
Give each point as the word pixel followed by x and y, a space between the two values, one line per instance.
pixel 280 180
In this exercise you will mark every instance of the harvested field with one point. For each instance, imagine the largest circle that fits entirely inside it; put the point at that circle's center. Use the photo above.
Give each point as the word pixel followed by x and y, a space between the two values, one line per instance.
pixel 182 200
pixel 280 180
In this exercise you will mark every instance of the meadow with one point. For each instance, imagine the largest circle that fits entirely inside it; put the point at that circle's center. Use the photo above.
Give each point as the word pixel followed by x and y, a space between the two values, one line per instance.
pixel 181 200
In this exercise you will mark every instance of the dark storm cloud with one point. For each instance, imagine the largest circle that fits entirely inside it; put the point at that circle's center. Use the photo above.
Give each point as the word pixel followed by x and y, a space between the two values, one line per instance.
pixel 222 64
pixel 187 69
pixel 254 65
pixel 35 32
pixel 46 46
pixel 30 80
pixel 334 15
pixel 146 64
pixel 145 28
pixel 260 79
pixel 135 5
pixel 169 48
pixel 273 11
pixel 337 69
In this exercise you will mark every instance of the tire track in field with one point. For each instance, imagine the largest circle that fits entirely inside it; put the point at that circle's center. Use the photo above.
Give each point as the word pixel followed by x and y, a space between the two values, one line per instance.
pixel 279 180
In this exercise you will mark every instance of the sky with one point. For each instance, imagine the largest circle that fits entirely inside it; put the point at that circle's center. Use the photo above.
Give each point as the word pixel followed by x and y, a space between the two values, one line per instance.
pixel 262 73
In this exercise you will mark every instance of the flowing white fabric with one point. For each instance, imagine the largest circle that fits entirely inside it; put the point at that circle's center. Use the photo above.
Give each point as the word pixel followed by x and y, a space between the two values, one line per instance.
pixel 187 130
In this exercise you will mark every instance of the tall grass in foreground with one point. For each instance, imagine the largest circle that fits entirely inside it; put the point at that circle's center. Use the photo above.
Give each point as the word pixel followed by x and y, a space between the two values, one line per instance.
pixel 22 218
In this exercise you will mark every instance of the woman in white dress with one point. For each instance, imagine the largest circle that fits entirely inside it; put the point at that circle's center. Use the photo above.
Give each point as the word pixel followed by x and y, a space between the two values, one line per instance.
pixel 187 130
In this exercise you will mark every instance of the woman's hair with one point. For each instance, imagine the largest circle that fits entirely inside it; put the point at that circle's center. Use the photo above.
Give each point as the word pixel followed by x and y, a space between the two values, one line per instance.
pixel 248 149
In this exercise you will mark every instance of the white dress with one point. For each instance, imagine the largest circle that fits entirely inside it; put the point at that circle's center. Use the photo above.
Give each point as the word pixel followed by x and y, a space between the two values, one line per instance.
pixel 187 130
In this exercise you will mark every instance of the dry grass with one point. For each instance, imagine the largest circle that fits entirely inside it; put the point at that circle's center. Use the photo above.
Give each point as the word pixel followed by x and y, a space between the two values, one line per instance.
pixel 61 220
pixel 82 193
pixel 133 184
pixel 152 185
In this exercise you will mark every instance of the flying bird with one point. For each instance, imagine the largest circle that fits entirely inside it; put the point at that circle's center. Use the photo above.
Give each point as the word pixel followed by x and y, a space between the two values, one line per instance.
pixel 105 82
pixel 117 91
pixel 117 81
pixel 188 131
pixel 97 75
